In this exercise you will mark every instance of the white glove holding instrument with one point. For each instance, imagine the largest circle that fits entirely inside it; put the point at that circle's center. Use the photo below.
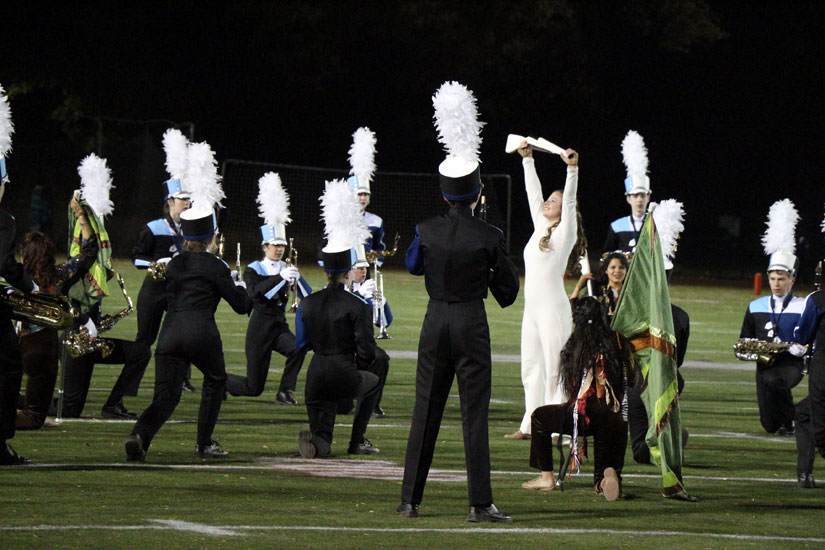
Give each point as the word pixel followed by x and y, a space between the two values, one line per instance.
pixel 367 288
pixel 289 273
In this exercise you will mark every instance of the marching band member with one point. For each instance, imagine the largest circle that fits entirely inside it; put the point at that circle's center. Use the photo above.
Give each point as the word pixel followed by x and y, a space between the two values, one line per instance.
pixel 160 240
pixel 362 168
pixel 623 233
pixel 268 283
pixel 358 283
pixel 773 318
pixel 87 295
pixel 337 325
pixel 11 370
pixel 460 257
pixel 196 282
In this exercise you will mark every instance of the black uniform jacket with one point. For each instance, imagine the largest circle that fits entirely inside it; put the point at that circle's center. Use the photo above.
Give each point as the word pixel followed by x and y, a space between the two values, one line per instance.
pixel 196 281
pixel 158 239
pixel 461 256
pixel 10 269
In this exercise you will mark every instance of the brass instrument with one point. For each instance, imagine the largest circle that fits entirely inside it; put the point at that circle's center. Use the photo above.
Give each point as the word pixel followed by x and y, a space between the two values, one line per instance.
pixel 379 319
pixel 79 343
pixel 762 351
pixel 482 211
pixel 157 271
pixel 44 310
pixel 818 276
pixel 238 260
pixel 292 261
pixel 221 244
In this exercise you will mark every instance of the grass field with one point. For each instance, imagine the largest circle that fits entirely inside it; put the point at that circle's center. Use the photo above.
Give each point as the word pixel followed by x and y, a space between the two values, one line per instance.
pixel 84 494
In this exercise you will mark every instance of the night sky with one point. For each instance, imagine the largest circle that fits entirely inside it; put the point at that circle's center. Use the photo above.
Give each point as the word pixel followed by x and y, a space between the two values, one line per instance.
pixel 726 95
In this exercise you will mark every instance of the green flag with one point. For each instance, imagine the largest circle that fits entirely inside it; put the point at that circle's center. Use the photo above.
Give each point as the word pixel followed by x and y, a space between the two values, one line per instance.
pixel 94 285
pixel 643 316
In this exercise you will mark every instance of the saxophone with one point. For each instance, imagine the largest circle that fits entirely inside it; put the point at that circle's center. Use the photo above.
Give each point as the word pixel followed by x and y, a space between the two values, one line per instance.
pixel 762 351
pixel 78 342
pixel 44 310
pixel 157 271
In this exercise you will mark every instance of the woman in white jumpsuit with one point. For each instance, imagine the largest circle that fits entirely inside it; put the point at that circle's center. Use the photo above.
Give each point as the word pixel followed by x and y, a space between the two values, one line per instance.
pixel 547 320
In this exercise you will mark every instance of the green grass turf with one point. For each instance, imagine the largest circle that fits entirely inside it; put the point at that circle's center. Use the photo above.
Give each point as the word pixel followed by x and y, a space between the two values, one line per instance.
pixel 742 475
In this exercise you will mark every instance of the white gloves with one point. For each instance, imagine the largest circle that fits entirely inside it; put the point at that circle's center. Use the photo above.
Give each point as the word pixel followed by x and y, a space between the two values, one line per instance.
pixel 163 260
pixel 367 288
pixel 35 287
pixel 797 350
pixel 235 275
pixel 90 326
pixel 240 283
pixel 289 273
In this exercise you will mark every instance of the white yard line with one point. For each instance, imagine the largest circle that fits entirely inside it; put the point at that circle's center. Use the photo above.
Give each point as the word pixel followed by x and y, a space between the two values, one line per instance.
pixel 233 530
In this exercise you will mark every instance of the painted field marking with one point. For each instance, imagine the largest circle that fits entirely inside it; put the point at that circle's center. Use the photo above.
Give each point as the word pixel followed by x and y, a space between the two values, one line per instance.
pixel 232 530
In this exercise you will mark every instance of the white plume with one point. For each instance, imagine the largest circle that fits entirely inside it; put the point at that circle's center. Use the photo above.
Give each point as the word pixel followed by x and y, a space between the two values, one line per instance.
pixel 6 125
pixel 273 200
pixel 668 216
pixel 456 119
pixel 634 154
pixel 95 184
pixel 343 220
pixel 175 145
pixel 782 220
pixel 202 178
pixel 362 154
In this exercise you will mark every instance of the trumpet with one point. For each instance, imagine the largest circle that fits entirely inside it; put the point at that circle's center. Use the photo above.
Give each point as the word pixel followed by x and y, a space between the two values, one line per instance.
pixel 482 210
pixel 79 343
pixel 292 261
pixel 379 317
pixel 762 351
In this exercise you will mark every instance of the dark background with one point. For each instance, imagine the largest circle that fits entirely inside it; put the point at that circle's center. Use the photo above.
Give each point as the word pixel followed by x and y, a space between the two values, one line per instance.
pixel 724 94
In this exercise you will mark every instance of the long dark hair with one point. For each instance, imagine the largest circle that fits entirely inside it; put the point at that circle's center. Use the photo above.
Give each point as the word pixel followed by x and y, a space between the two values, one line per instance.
pixel 592 337
pixel 579 249
pixel 601 277
pixel 38 253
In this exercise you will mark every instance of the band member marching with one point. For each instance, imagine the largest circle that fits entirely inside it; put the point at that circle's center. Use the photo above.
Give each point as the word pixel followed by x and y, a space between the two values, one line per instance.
pixel 362 168
pixel 160 240
pixel 273 284
pixel 87 295
pixel 196 282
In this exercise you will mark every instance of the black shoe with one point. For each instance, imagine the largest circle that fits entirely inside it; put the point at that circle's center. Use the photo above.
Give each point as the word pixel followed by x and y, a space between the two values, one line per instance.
pixel 378 412
pixel 9 457
pixel 491 513
pixel 407 510
pixel 187 386
pixel 134 448
pixel 213 450
pixel 806 481
pixel 118 411
pixel 364 448
pixel 305 445
pixel 785 431
pixel 286 398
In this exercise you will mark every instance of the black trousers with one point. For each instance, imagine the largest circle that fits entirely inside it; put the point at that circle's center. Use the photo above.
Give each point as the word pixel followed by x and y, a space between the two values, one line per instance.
pixel 773 393
pixel 331 378
pixel 264 334
pixel 40 353
pixel 608 429
pixel 11 374
pixel 454 343
pixel 134 357
pixel 379 367
pixel 804 438
pixel 638 421
pixel 816 394
pixel 185 339
pixel 151 305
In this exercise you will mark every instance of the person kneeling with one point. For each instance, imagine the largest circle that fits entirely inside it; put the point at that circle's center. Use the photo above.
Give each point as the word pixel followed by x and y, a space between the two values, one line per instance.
pixel 596 369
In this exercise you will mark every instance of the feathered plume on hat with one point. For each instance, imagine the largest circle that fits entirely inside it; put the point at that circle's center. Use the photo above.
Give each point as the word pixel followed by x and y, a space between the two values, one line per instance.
pixel 202 177
pixel 6 125
pixel 668 216
pixel 95 184
pixel 634 156
pixel 345 226
pixel 6 130
pixel 273 200
pixel 456 119
pixel 175 145
pixel 362 159
pixel 779 240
